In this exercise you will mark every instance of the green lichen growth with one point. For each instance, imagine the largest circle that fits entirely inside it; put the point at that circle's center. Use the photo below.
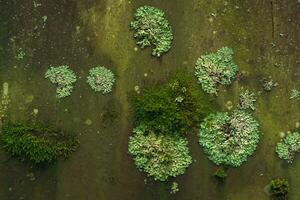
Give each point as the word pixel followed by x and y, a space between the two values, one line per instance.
pixel 229 139
pixel 160 156
pixel 151 28
pixel 101 79
pixel 247 100
pixel 64 78
pixel 214 69
pixel 36 143
pixel 288 146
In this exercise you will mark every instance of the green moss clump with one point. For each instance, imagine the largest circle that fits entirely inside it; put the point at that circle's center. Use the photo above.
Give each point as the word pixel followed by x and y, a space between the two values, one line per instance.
pixel 101 79
pixel 64 78
pixel 36 143
pixel 228 139
pixel 279 189
pixel 162 115
pixel 151 28
pixel 221 173
pixel 176 107
pixel 288 146
pixel 215 68
pixel 160 156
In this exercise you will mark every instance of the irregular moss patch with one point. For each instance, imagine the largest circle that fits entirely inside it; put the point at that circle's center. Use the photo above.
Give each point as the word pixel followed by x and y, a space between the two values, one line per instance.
pixel 37 143
pixel 64 78
pixel 214 69
pixel 288 146
pixel 228 139
pixel 151 28
pixel 175 107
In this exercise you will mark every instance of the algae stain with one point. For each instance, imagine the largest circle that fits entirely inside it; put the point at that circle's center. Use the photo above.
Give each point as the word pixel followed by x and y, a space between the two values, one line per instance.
pixel 5 89
pixel 4 101
pixel 111 39
pixel 111 36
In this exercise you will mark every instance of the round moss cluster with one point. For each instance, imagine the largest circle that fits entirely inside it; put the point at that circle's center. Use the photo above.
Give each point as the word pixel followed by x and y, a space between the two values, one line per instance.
pixel 64 77
pixel 288 146
pixel 36 143
pixel 160 156
pixel 228 139
pixel 101 79
pixel 214 69
pixel 151 28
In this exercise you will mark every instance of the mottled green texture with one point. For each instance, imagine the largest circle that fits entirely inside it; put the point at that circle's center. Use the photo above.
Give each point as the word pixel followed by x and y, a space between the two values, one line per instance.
pixel 151 28
pixel 247 100
pixel 288 146
pixel 160 156
pixel 64 78
pixel 214 69
pixel 35 143
pixel 101 79
pixel 228 139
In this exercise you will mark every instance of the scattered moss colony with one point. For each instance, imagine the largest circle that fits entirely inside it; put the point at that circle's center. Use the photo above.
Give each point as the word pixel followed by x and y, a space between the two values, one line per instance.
pixel 64 77
pixel 101 79
pixel 151 28
pixel 162 117
pixel 165 114
pixel 214 69
pixel 229 138
pixel 288 146
pixel 36 143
